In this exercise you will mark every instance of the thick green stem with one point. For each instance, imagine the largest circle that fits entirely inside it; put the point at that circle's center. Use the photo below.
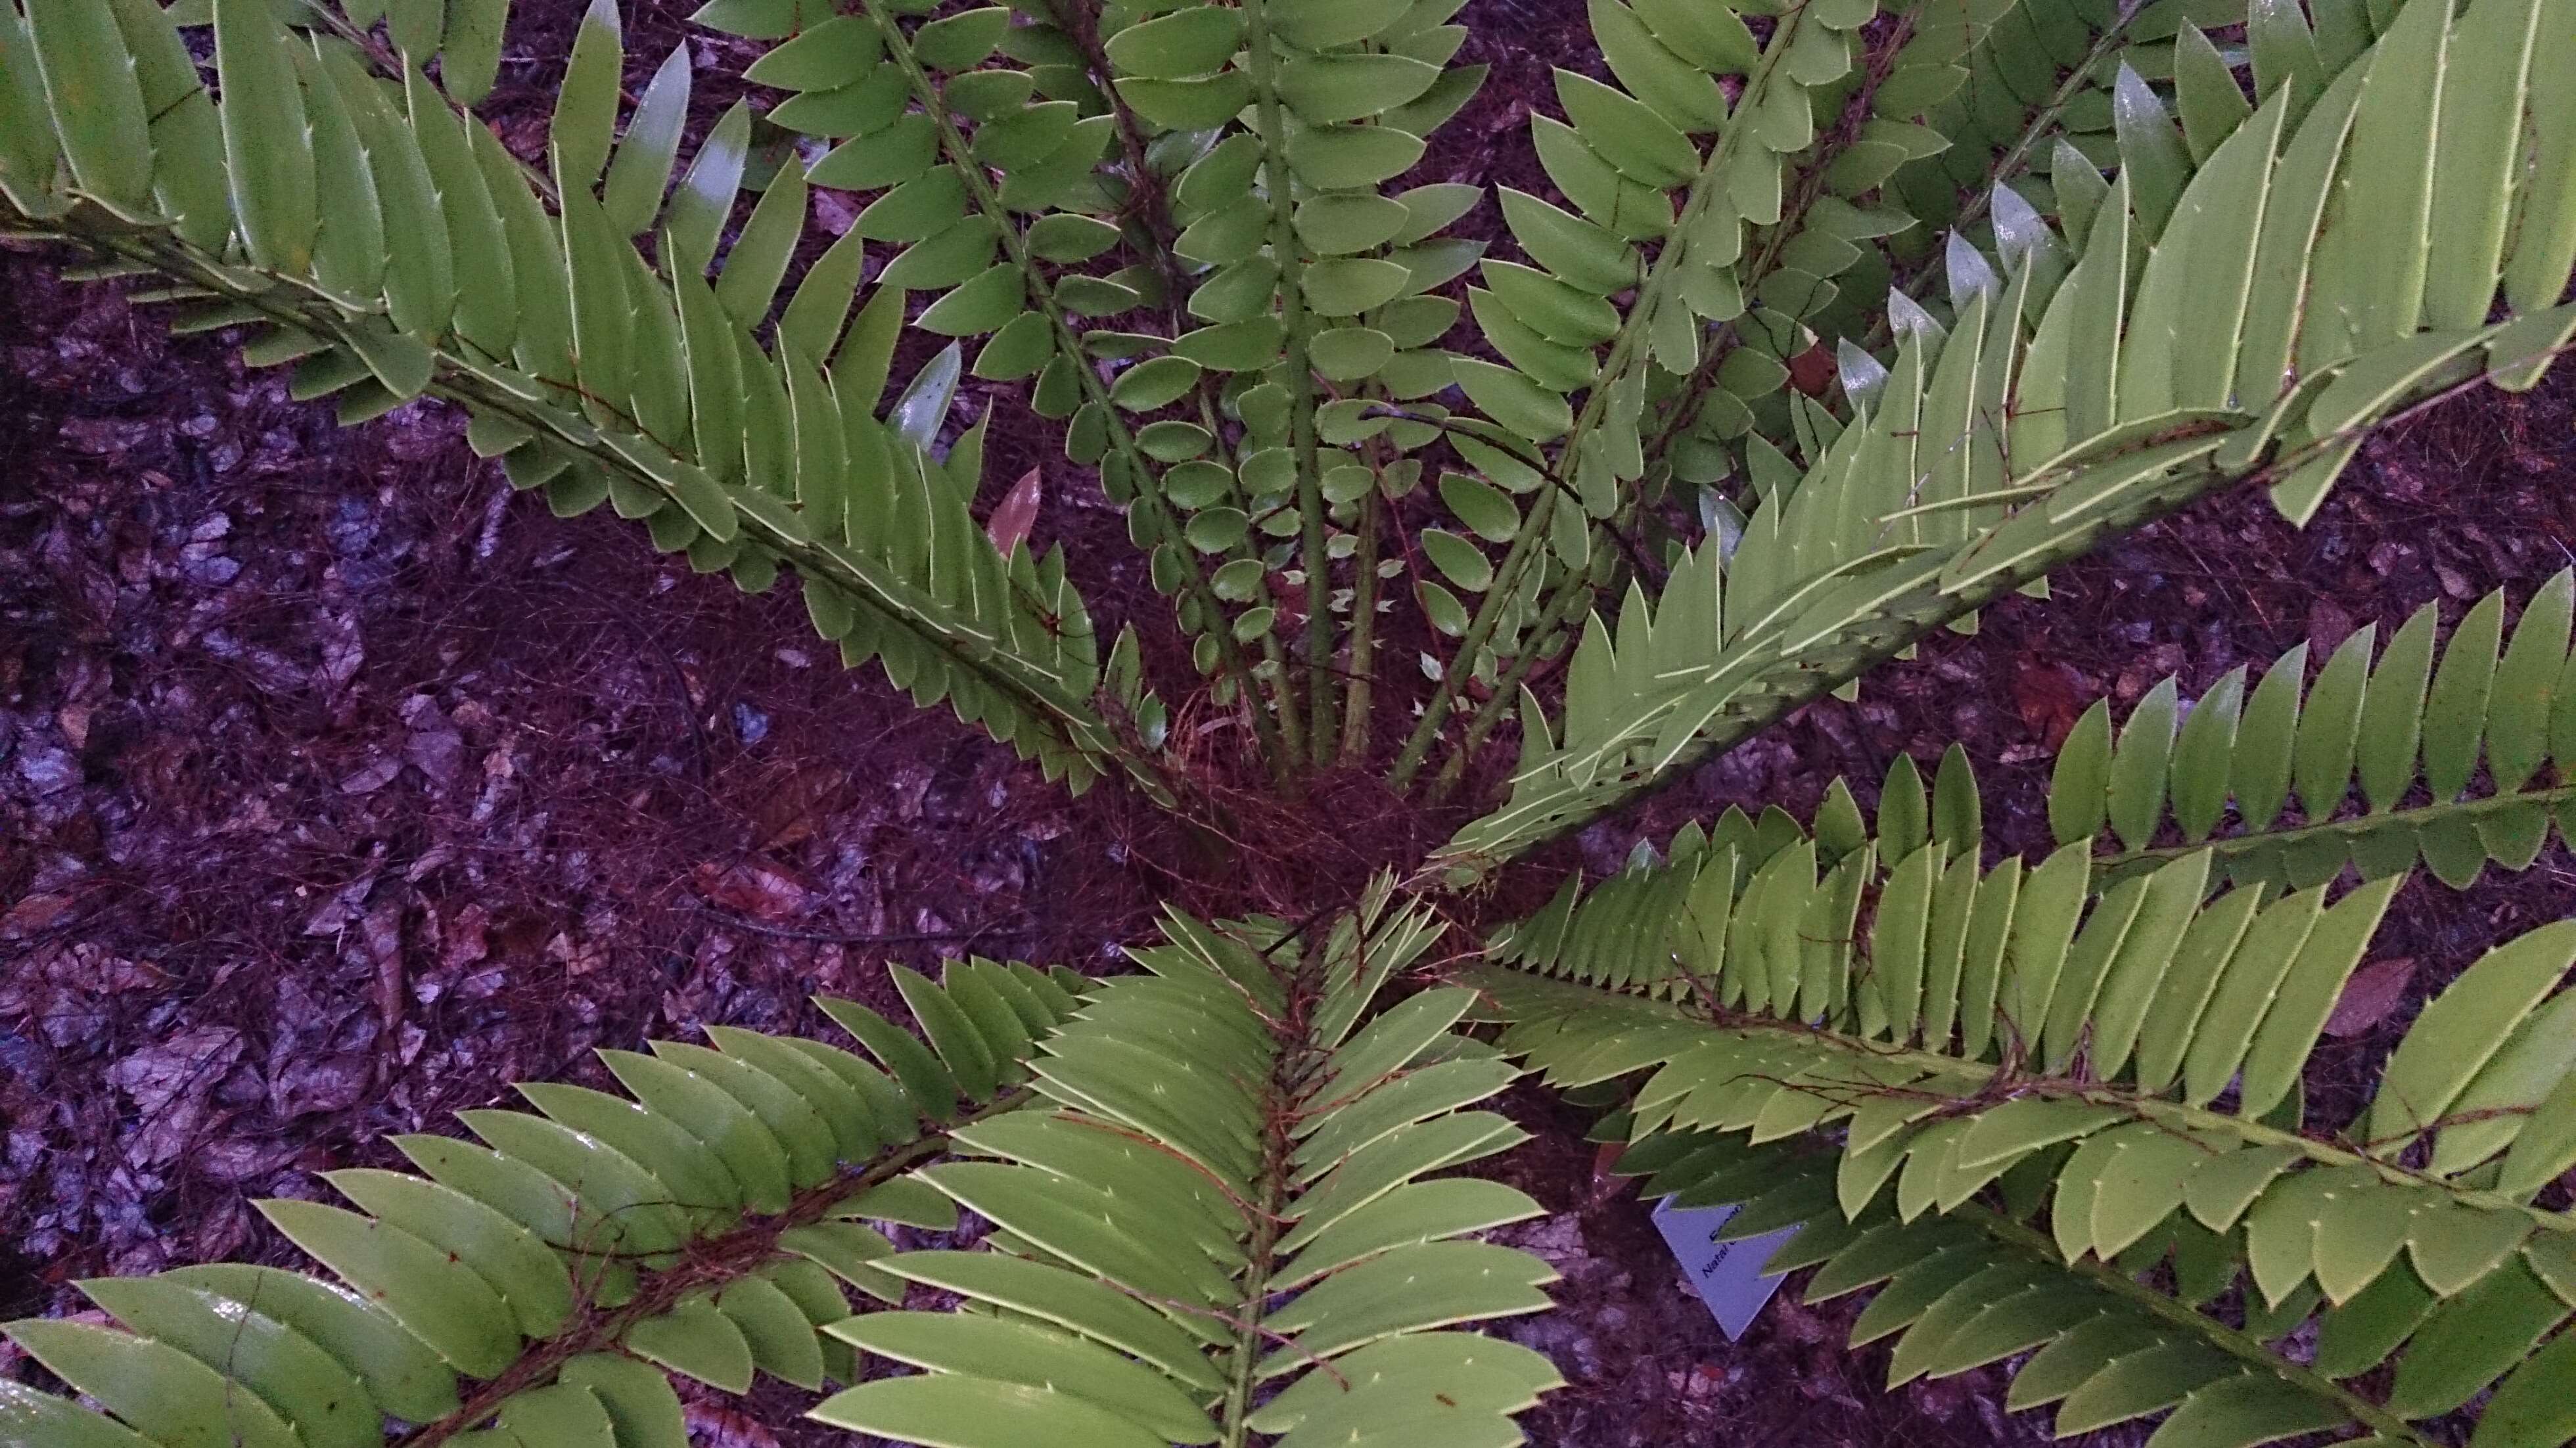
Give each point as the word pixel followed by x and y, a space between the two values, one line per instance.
pixel 1357 707
pixel 1976 1079
pixel 1283 695
pixel 1283 1096
pixel 1262 66
pixel 2129 862
pixel 1260 1252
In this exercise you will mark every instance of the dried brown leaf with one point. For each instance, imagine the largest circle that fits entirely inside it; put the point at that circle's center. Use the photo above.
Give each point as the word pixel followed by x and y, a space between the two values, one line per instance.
pixel 1017 514
pixel 756 888
pixel 169 1084
pixel 2045 695
pixel 1812 371
pixel 721 1427
pixel 33 914
pixel 2370 995
pixel 790 808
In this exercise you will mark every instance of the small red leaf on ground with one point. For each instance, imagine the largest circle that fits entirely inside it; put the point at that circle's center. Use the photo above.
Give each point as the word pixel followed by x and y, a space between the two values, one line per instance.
pixel 790 807
pixel 1605 1183
pixel 1017 514
pixel 2370 995
pixel 720 1427
pixel 33 914
pixel 1812 371
pixel 755 888
pixel 2045 695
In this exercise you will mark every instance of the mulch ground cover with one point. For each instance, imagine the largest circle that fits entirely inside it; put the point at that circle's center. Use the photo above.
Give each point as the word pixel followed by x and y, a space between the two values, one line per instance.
pixel 340 787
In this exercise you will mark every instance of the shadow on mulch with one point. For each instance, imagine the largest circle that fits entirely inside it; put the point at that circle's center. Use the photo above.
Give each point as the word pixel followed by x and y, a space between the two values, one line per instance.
pixel 341 787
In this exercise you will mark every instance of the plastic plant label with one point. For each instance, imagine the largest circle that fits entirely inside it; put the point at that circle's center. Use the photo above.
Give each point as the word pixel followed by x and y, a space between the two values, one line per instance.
pixel 1728 1275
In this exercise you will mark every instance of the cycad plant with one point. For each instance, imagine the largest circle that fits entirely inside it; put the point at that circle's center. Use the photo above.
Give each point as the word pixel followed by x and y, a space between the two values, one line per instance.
pixel 1837 323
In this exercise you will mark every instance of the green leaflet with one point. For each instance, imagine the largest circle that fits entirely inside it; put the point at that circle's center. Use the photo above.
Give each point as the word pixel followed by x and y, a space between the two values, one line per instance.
pixel 470 53
pixel 434 1296
pixel 789 1115
pixel 2527 1408
pixel 638 1400
pixel 2371 278
pixel 2078 792
pixel 934 1407
pixel 1323 90
pixel 1184 43
pixel 187 140
pixel 275 1362
pixel 265 139
pixel 695 1340
pixel 2306 995
pixel 2199 772
pixel 2462 1028
pixel 419 279
pixel 586 106
pixel 168 1394
pixel 2390 722
pixel 758 257
pixel 564 1413
pixel 93 95
pixel 509 1259
pixel 697 210
pixel 1035 1357
pixel 1674 88
pixel 632 194
pixel 27 142
pixel 2472 1340
pixel 397 1370
pixel 1054 1295
pixel 486 311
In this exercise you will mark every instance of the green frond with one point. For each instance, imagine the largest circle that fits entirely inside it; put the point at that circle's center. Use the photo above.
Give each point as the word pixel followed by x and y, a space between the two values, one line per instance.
pixel 1218 1219
pixel 2268 330
pixel 535 1288
pixel 1137 137
pixel 2352 746
pixel 1627 157
pixel 1973 90
pixel 2004 84
pixel 1980 1287
pixel 463 37
pixel 386 246
pixel 2280 779
pixel 1178 228
pixel 2126 1053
